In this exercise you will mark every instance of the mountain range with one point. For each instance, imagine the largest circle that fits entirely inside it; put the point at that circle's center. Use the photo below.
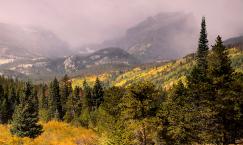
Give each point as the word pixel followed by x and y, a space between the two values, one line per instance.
pixel 164 36
pixel 27 41
pixel 39 54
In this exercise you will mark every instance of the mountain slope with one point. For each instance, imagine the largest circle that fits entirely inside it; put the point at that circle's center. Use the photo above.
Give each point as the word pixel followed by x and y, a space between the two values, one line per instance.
pixel 162 74
pixel 234 42
pixel 23 41
pixel 107 56
pixel 165 36
pixel 41 68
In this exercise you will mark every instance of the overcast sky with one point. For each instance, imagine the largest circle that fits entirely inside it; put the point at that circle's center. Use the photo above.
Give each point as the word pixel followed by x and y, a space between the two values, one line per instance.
pixel 90 21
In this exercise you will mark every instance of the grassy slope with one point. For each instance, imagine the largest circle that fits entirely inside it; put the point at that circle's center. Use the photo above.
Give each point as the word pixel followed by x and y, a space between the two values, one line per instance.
pixel 164 75
pixel 56 133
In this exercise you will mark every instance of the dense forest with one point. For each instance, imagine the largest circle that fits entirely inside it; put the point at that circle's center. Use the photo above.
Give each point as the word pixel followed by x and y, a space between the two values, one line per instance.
pixel 207 108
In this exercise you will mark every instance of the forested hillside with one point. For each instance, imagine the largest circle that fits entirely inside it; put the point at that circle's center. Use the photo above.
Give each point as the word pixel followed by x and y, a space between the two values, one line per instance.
pixel 163 74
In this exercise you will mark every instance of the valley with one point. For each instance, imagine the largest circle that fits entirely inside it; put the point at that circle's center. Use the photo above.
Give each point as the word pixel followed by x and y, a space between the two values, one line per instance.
pixel 121 73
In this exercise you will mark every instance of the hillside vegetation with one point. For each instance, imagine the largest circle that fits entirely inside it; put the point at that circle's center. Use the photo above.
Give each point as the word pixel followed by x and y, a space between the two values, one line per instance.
pixel 163 75
pixel 56 133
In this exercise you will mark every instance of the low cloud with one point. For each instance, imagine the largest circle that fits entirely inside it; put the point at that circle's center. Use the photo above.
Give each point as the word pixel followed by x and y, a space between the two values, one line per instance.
pixel 93 21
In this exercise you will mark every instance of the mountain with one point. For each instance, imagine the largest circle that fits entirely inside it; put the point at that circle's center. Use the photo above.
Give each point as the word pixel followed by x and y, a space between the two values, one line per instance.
pixel 165 36
pixel 107 56
pixel 234 42
pixel 41 68
pixel 24 41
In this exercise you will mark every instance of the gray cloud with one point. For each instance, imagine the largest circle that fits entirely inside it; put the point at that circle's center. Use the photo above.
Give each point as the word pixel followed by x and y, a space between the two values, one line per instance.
pixel 89 21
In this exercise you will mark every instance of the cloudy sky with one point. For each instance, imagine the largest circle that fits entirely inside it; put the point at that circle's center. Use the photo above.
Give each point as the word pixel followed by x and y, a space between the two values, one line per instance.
pixel 90 21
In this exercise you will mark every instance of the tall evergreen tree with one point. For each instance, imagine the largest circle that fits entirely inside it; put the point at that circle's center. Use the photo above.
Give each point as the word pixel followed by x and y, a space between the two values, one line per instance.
pixel 86 104
pixel 176 118
pixel 25 118
pixel 43 105
pixel 226 100
pixel 139 107
pixel 74 106
pixel 12 101
pixel 199 71
pixel 200 93
pixel 2 105
pixel 202 50
pixel 109 118
pixel 98 94
pixel 65 92
pixel 54 101
pixel 87 96
pixel 43 97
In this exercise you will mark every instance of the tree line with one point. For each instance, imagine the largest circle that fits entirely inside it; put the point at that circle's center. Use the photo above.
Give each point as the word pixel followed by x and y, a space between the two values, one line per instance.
pixel 207 109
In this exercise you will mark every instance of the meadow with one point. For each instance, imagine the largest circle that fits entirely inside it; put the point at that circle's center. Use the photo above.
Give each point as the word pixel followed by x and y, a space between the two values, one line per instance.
pixel 56 133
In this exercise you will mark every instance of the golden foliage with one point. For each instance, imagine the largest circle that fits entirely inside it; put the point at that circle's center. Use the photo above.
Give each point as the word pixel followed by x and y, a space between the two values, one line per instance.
pixel 165 75
pixel 90 79
pixel 56 133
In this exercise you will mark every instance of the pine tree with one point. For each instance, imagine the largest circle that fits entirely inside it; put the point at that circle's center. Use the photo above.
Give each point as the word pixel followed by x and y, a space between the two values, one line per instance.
pixel 176 118
pixel 199 71
pixel 86 105
pixel 202 50
pixel 3 106
pixel 43 97
pixel 98 94
pixel 4 111
pixel 54 101
pixel 139 107
pixel 12 101
pixel 225 98
pixel 74 106
pixel 77 101
pixel 238 89
pixel 65 92
pixel 87 95
pixel 110 121
pixel 25 118
pixel 220 65
pixel 200 93
pixel 43 102
pixel 1 103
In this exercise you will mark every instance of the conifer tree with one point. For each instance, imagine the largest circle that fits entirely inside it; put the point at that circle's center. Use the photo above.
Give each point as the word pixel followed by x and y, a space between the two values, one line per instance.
pixel 74 106
pixel 1 102
pixel 139 107
pixel 203 48
pixel 220 65
pixel 87 95
pixel 77 101
pixel 3 106
pixel 225 100
pixel 54 101
pixel 65 92
pixel 200 93
pixel 199 71
pixel 43 97
pixel 86 105
pixel 12 101
pixel 25 118
pixel 43 105
pixel 176 118
pixel 4 111
pixel 109 118
pixel 98 94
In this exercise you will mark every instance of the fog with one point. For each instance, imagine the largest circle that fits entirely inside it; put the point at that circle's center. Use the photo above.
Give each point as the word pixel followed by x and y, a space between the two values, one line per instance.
pixel 92 21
